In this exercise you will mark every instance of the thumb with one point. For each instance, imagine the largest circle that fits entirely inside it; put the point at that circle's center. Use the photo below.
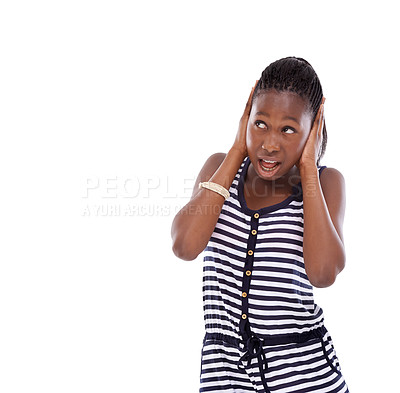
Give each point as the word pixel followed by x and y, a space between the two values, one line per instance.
pixel 298 163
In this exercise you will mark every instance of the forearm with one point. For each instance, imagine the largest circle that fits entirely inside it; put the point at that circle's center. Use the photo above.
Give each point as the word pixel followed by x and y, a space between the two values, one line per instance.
pixel 195 222
pixel 323 250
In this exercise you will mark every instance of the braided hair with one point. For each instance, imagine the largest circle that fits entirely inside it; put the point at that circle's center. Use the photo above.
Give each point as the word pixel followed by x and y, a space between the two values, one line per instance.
pixel 294 74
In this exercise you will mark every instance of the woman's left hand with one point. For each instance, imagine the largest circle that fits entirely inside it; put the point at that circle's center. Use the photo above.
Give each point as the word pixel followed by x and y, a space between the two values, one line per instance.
pixel 310 152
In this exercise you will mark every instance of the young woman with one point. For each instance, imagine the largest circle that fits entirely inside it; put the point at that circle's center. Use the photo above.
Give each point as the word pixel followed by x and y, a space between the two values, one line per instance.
pixel 269 220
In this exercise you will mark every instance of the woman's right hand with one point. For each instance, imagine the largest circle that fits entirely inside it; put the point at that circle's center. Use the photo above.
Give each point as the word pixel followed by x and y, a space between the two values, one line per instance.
pixel 240 141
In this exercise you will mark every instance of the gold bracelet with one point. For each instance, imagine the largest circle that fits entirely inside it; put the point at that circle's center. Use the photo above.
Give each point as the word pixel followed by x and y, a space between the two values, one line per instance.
pixel 215 187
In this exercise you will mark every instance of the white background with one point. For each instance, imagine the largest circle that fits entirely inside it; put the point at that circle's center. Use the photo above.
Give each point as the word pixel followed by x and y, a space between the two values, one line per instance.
pixel 109 109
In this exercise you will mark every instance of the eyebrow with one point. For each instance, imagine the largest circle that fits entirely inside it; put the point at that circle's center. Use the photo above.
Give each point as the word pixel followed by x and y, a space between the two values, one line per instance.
pixel 285 118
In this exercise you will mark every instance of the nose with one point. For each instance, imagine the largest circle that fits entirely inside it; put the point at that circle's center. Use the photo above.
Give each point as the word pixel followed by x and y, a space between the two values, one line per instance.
pixel 271 144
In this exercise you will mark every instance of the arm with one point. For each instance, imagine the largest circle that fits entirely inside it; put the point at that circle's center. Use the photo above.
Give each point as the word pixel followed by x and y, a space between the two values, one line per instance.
pixel 324 203
pixel 195 222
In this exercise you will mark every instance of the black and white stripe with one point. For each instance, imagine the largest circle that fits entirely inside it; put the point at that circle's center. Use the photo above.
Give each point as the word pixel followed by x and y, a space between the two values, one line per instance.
pixel 278 300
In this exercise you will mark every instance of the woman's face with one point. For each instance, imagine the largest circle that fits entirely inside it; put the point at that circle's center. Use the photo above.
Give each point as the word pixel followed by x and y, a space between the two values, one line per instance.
pixel 277 130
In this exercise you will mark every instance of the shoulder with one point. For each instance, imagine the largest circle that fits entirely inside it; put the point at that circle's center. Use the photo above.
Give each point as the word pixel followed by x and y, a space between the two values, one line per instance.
pixel 216 159
pixel 211 164
pixel 331 177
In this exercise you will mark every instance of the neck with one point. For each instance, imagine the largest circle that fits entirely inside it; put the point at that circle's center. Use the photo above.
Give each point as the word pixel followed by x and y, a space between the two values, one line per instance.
pixel 279 187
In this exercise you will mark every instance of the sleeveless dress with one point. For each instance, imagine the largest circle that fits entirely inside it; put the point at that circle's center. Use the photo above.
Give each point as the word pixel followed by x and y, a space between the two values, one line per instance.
pixel 264 333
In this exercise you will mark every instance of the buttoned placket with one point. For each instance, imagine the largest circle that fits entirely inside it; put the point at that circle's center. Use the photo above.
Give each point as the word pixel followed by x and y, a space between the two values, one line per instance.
pixel 247 274
pixel 254 346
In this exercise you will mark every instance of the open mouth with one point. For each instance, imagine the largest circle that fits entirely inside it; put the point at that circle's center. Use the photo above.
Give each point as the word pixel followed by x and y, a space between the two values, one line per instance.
pixel 269 167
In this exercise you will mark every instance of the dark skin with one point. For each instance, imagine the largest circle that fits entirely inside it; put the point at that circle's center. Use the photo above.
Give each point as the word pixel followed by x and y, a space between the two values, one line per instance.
pixel 280 123
pixel 284 132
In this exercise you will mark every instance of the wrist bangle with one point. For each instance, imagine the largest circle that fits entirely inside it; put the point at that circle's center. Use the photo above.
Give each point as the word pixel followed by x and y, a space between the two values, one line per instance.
pixel 215 187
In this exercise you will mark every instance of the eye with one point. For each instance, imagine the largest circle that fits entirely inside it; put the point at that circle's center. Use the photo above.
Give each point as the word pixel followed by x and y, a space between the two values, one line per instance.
pixel 288 130
pixel 260 124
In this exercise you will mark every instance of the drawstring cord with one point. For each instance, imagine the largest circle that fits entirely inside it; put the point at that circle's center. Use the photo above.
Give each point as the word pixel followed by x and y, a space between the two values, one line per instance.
pixel 255 347
pixel 326 355
pixel 255 350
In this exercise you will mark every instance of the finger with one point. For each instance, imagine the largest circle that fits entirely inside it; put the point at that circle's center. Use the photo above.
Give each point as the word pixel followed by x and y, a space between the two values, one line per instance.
pixel 319 121
pixel 322 105
pixel 321 109
pixel 318 118
pixel 322 120
pixel 248 104
pixel 251 95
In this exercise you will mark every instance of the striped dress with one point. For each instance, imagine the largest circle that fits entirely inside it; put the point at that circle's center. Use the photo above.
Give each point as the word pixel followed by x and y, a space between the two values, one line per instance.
pixel 264 333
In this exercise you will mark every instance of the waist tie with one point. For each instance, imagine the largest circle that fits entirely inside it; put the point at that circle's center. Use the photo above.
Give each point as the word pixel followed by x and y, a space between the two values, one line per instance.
pixel 254 346
pixel 255 349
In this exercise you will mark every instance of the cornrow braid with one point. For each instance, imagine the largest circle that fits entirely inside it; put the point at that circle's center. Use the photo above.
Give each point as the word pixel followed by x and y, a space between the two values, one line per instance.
pixel 294 74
